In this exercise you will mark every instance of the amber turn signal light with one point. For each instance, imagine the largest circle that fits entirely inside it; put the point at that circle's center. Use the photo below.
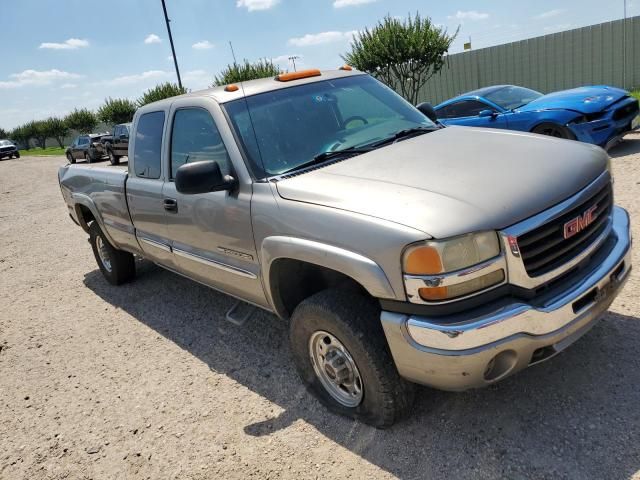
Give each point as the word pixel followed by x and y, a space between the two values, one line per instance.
pixel 423 260
pixel 287 77
pixel 231 88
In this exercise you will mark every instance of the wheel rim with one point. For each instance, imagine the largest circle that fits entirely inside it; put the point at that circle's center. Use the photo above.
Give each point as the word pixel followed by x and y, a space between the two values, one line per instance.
pixel 103 253
pixel 552 132
pixel 336 369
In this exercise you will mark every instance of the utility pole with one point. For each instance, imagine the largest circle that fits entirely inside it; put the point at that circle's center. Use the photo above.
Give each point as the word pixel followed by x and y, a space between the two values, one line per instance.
pixel 233 54
pixel 293 59
pixel 173 50
pixel 624 46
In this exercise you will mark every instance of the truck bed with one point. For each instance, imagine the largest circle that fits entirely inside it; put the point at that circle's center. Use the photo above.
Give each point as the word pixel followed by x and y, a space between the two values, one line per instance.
pixel 99 193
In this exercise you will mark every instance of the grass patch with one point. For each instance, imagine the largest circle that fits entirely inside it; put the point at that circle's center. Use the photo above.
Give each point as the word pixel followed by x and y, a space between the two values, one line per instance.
pixel 39 152
pixel 636 93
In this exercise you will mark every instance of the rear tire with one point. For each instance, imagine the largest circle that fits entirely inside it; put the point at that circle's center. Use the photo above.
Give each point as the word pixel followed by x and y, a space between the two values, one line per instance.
pixel 342 356
pixel 87 158
pixel 117 266
pixel 554 130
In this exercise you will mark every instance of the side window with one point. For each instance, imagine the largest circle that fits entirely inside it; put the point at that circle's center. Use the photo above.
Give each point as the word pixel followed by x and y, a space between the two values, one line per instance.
pixel 116 132
pixel 470 108
pixel 447 111
pixel 148 145
pixel 84 141
pixel 195 138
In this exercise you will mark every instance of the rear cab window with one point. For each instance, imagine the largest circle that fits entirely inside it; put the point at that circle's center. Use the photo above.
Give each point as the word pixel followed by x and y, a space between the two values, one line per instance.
pixel 147 153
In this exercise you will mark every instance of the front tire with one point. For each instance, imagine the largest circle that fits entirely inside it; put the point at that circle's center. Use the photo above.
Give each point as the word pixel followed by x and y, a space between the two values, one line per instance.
pixel 17 155
pixel 87 158
pixel 114 159
pixel 554 130
pixel 116 265
pixel 70 158
pixel 342 356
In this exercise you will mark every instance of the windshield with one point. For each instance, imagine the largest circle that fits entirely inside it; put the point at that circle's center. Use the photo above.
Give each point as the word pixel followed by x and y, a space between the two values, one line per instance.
pixel 512 97
pixel 5 143
pixel 286 128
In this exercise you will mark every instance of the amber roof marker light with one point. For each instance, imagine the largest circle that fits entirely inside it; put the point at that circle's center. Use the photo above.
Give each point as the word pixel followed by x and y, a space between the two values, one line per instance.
pixel 347 68
pixel 231 88
pixel 287 77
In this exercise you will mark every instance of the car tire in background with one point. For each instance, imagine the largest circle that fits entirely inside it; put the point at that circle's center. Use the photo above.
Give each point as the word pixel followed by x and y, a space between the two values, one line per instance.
pixel 342 356
pixel 114 159
pixel 70 158
pixel 116 265
pixel 554 130
pixel 87 157
pixel 17 154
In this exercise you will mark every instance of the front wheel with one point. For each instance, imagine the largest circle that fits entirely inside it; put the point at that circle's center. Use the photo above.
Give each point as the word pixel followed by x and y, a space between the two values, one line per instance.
pixel 114 159
pixel 342 356
pixel 70 158
pixel 116 265
pixel 17 155
pixel 554 130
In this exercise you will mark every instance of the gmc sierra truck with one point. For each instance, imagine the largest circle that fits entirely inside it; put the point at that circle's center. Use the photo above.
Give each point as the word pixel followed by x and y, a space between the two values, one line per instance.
pixel 399 252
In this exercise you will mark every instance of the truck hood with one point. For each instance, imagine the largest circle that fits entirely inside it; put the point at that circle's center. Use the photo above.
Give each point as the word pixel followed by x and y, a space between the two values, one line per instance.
pixel 582 99
pixel 453 181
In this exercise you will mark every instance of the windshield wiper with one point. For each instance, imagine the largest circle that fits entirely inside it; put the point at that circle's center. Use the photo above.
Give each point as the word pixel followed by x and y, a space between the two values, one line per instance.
pixel 406 133
pixel 324 156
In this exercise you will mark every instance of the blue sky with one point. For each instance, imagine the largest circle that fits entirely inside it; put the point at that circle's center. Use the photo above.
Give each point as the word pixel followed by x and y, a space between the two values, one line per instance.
pixel 62 54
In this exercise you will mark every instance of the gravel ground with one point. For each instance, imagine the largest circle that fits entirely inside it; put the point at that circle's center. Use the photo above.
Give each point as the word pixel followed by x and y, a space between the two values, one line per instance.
pixel 150 381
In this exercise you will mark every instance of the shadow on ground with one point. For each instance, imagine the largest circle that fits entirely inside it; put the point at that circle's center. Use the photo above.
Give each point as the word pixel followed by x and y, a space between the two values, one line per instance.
pixel 576 416
pixel 629 146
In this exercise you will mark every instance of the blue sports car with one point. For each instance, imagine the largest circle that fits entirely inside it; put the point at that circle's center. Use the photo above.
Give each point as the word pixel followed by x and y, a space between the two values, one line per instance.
pixel 600 114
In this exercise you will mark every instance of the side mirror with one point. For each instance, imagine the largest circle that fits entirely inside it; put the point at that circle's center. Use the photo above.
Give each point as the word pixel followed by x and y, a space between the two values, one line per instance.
pixel 428 111
pixel 487 113
pixel 202 177
pixel 124 137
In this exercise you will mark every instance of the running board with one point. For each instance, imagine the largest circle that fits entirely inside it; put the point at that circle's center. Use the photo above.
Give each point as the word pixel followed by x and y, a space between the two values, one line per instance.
pixel 239 313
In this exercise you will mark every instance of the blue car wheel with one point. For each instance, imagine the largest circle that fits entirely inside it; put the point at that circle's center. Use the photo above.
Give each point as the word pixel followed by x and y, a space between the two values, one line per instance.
pixel 554 130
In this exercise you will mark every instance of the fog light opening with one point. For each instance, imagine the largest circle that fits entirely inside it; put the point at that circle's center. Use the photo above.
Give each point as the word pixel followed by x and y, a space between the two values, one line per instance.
pixel 500 365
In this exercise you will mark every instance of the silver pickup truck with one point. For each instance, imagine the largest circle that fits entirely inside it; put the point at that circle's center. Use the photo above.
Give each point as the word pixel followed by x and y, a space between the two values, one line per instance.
pixel 399 252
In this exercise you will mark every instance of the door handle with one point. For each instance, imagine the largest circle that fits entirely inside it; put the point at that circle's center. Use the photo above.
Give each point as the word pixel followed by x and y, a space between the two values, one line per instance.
pixel 170 204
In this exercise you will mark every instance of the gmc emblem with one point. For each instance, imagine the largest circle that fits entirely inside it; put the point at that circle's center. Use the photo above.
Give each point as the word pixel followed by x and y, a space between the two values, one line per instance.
pixel 576 225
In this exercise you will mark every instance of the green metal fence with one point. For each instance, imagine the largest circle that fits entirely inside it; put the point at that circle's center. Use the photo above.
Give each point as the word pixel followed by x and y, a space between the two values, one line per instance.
pixel 592 55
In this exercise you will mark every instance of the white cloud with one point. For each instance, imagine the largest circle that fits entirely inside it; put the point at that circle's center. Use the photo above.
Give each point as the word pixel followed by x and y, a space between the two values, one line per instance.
pixel 197 79
pixel 350 3
pixel 559 28
pixel 550 14
pixel 311 39
pixel 469 15
pixel 152 38
pixel 36 77
pixel 69 85
pixel 138 77
pixel 203 45
pixel 253 5
pixel 70 44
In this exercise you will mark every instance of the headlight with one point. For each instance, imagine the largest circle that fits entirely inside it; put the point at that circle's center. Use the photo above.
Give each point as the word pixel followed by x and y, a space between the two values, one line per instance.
pixel 430 267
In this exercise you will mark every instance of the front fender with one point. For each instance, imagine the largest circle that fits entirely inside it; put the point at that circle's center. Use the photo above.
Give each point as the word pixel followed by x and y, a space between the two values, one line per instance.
pixel 360 268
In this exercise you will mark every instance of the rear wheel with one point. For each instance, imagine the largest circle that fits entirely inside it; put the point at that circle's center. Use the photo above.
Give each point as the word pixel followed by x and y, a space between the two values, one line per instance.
pixel 342 356
pixel 554 130
pixel 116 265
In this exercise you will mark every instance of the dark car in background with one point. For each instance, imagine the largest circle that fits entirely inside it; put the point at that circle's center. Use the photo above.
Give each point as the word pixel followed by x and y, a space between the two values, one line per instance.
pixel 117 144
pixel 8 149
pixel 86 147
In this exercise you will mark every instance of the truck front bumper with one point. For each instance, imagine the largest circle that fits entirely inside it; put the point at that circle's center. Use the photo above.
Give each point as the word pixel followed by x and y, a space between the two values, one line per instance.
pixel 492 346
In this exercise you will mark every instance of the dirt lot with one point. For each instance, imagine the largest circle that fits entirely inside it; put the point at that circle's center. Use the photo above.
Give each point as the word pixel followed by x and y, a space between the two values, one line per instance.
pixel 150 381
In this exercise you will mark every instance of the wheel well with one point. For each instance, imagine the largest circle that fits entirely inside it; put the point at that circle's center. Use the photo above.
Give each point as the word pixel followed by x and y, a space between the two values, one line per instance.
pixel 85 217
pixel 292 281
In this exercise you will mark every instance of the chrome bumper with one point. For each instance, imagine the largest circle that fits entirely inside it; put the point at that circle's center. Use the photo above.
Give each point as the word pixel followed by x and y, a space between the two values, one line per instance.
pixel 482 350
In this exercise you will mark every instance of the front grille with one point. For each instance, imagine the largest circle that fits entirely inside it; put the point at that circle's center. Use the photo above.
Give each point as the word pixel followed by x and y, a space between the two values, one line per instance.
pixel 545 248
pixel 628 110
pixel 6 149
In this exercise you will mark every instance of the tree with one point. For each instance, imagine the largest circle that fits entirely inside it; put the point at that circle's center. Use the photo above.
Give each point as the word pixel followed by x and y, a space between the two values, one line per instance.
pixel 116 110
pixel 235 73
pixel 160 92
pixel 3 133
pixel 37 130
pixel 56 128
pixel 402 54
pixel 20 135
pixel 83 120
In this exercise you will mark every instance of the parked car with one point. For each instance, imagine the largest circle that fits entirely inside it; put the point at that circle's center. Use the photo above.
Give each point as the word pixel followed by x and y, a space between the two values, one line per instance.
pixel 398 252
pixel 117 144
pixel 87 148
pixel 8 149
pixel 600 115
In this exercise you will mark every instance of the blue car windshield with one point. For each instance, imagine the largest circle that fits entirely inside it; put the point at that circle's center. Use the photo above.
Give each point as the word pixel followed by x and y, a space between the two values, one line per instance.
pixel 286 128
pixel 511 97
